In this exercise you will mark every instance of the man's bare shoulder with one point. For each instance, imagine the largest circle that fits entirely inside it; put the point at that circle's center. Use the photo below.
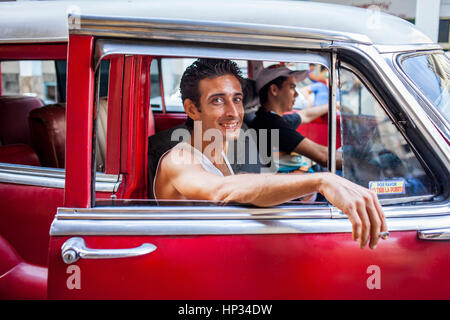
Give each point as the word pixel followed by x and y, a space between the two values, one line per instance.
pixel 179 157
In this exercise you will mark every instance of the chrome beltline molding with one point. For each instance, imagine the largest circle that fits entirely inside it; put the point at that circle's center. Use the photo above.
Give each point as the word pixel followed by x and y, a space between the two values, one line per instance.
pixel 34 40
pixel 51 177
pixel 232 220
pixel 193 213
pixel 62 227
pixel 236 212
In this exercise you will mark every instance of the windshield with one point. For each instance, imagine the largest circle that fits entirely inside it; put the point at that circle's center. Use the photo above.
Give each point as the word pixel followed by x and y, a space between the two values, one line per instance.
pixel 430 73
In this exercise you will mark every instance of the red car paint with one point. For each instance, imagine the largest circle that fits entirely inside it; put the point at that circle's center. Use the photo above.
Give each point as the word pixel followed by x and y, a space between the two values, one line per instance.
pixel 308 266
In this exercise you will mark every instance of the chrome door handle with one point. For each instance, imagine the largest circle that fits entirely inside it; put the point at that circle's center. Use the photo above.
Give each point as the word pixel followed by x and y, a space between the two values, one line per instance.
pixel 434 234
pixel 75 248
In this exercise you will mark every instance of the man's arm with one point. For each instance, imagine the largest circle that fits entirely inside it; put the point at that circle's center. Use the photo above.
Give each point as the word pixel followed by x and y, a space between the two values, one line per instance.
pixel 312 113
pixel 317 152
pixel 359 204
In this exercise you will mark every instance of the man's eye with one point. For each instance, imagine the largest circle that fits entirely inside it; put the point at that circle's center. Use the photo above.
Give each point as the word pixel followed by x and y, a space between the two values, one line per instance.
pixel 217 101
pixel 238 99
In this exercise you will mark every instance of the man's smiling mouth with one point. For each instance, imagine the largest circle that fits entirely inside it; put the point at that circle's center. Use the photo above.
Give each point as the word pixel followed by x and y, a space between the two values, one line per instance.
pixel 231 125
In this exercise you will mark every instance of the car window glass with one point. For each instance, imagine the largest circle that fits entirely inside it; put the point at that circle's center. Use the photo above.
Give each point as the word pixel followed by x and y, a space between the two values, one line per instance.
pixel 32 114
pixel 32 78
pixel 102 116
pixel 155 87
pixel 431 73
pixel 172 70
pixel 165 76
pixel 375 154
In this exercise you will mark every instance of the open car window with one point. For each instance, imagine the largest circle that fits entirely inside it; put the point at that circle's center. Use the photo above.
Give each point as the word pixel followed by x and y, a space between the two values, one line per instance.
pixel 164 97
pixel 375 154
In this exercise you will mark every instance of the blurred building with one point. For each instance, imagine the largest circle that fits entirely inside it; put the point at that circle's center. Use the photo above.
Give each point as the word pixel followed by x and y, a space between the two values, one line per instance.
pixel 431 16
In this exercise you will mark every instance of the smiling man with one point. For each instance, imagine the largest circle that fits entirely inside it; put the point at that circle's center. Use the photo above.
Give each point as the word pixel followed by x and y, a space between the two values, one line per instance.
pixel 212 96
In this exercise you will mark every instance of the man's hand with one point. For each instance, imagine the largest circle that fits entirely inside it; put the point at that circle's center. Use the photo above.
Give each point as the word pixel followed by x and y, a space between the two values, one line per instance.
pixel 359 204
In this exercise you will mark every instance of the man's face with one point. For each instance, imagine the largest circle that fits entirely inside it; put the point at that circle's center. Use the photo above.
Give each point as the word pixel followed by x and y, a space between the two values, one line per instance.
pixel 221 105
pixel 287 93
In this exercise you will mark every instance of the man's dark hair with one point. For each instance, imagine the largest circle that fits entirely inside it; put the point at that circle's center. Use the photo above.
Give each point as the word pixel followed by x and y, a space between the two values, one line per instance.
pixel 263 92
pixel 202 69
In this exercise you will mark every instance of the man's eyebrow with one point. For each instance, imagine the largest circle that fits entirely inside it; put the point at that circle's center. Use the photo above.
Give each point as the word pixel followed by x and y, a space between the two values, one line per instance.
pixel 221 94
pixel 216 95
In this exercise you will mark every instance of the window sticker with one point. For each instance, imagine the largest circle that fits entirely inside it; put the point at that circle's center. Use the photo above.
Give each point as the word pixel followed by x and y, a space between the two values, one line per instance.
pixel 388 186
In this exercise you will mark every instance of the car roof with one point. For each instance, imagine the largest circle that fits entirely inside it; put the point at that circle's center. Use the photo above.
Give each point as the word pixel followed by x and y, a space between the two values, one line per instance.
pixel 47 21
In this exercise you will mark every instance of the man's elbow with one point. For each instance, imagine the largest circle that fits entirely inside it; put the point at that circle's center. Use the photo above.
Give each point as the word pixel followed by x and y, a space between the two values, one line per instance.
pixel 322 158
pixel 306 119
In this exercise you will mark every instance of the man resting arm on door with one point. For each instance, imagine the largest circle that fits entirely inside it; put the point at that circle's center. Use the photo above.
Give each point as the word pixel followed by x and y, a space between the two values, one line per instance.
pixel 212 96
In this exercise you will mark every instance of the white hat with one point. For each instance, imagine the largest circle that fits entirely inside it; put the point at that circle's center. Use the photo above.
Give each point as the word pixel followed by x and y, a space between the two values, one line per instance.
pixel 271 73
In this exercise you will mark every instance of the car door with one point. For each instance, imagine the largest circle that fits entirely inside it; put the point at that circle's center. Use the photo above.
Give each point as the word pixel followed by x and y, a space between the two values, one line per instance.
pixel 128 249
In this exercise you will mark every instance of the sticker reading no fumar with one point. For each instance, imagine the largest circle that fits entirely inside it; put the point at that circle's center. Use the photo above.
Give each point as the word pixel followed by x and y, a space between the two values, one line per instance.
pixel 388 186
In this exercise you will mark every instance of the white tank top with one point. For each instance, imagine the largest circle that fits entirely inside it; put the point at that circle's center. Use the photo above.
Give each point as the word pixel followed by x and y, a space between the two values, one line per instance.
pixel 204 161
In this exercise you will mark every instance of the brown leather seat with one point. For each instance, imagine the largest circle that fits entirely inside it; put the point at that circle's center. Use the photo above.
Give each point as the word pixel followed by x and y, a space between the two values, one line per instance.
pixel 19 154
pixel 14 112
pixel 48 134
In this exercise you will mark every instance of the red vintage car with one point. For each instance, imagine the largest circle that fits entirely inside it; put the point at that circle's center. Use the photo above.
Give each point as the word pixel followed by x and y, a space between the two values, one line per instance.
pixel 84 85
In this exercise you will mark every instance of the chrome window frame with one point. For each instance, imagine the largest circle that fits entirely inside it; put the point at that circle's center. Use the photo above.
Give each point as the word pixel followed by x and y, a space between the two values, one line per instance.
pixel 397 60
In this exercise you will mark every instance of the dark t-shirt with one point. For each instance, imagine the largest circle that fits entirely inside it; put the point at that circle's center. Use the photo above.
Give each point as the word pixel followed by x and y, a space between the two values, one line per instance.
pixel 289 138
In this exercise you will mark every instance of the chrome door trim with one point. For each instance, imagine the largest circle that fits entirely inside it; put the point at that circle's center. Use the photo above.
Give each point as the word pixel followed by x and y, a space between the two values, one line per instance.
pixel 232 220
pixel 51 177
pixel 406 211
pixel 194 213
pixel 65 227
pixel 181 212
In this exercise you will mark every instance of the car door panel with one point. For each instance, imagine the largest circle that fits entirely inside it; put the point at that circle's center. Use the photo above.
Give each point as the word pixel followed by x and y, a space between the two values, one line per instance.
pixel 26 219
pixel 257 266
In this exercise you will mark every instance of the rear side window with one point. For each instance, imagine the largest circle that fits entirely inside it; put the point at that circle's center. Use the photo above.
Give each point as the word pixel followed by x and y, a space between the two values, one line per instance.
pixel 32 113
pixel 31 78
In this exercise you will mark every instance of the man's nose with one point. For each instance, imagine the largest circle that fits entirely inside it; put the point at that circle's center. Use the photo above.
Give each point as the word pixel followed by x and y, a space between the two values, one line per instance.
pixel 232 109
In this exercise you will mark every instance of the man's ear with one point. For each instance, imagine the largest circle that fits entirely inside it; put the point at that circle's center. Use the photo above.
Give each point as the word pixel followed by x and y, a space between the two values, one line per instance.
pixel 191 109
pixel 273 89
